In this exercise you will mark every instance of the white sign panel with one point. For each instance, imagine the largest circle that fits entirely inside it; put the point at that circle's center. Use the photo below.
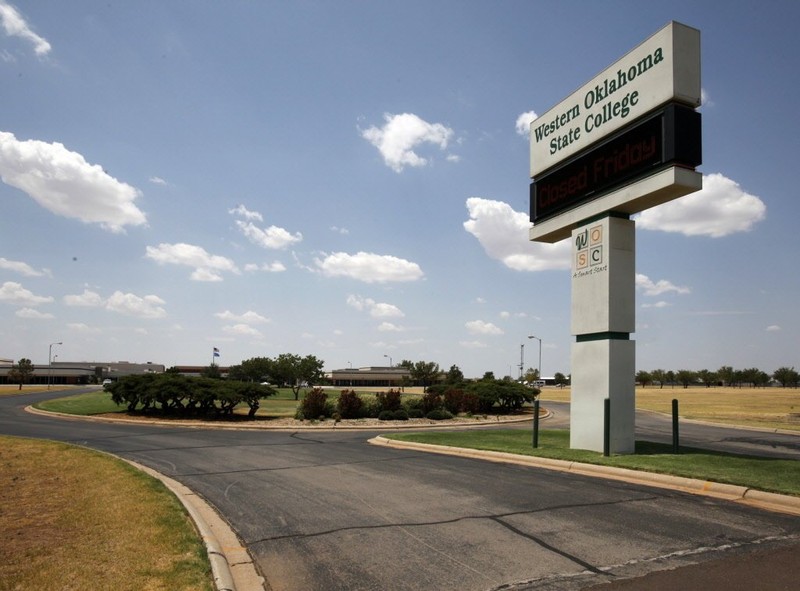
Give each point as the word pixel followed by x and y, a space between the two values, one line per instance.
pixel 666 67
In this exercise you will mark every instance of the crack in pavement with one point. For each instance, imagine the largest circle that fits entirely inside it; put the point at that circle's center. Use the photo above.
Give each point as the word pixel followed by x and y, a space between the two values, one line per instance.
pixel 496 518
pixel 549 547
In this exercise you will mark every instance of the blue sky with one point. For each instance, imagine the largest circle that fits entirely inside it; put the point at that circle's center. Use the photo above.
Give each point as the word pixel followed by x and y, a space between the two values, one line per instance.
pixel 350 180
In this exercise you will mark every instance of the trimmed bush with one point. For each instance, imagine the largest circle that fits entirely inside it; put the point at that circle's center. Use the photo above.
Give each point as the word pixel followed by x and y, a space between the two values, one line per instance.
pixel 458 401
pixel 389 400
pixel 415 413
pixel 314 405
pixel 439 414
pixel 349 404
pixel 386 415
pixel 431 401
pixel 177 394
pixel 400 415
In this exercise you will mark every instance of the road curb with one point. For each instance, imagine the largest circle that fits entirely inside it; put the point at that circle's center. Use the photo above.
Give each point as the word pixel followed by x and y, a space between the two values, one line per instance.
pixel 740 494
pixel 231 565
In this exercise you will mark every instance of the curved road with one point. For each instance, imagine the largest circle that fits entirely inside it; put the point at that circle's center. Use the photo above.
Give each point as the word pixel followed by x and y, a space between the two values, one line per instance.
pixel 326 511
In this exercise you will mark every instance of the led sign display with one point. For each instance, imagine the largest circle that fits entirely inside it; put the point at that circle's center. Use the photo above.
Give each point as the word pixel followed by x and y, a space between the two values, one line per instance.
pixel 668 137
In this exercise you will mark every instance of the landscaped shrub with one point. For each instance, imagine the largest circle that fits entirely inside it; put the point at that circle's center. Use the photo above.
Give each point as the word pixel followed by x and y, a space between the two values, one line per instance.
pixel 370 408
pixel 415 413
pixel 349 404
pixel 389 400
pixel 177 394
pixel 458 401
pixel 412 402
pixel 314 405
pixel 431 401
pixel 386 415
pixel 400 415
pixel 439 414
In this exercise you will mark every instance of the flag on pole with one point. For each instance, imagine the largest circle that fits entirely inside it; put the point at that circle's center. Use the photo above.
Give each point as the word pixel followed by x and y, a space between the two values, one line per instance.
pixel 216 352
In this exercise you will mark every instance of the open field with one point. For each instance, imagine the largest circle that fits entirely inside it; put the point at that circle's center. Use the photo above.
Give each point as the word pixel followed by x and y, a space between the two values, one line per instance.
pixel 72 518
pixel 768 408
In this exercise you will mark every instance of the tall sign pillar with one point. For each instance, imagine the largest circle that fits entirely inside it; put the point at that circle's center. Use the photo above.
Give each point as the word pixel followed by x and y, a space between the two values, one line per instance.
pixel 603 318
pixel 626 141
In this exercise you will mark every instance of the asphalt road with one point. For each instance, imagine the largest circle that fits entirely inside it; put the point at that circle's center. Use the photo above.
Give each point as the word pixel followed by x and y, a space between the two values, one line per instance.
pixel 326 511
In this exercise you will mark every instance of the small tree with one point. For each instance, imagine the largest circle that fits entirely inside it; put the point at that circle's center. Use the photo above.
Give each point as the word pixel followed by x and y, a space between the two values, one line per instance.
pixel 560 379
pixel 709 378
pixel 454 376
pixel 643 377
pixel 786 376
pixel 297 371
pixel 686 377
pixel 21 372
pixel 660 376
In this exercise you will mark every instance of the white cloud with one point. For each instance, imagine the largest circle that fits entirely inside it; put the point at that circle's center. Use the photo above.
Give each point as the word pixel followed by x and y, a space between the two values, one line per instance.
pixel 503 233
pixel 65 184
pixel 272 237
pixel 481 327
pixel 389 327
pixel 523 124
pixel 720 208
pixel 773 328
pixel 248 317
pixel 338 230
pixel 274 267
pixel 156 180
pixel 13 293
pixel 31 314
pixel 149 306
pixel 651 288
pixel 242 211
pixel 401 135
pixel 129 304
pixel 22 268
pixel 16 26
pixel 376 309
pixel 87 298
pixel 207 267
pixel 244 330
pixel 705 99
pixel 369 267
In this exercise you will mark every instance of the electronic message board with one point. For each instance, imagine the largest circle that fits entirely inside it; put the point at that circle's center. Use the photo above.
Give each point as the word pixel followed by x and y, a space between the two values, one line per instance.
pixel 670 136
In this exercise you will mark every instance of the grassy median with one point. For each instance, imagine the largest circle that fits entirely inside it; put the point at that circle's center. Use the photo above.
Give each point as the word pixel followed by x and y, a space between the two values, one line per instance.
pixel 72 518
pixel 772 475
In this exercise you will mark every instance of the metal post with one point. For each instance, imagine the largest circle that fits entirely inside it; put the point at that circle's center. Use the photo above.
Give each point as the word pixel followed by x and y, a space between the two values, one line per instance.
pixel 675 438
pixel 535 424
pixel 607 427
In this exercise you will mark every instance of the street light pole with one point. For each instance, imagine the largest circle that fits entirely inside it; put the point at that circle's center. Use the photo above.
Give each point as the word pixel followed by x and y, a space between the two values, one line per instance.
pixel 540 354
pixel 390 360
pixel 521 360
pixel 50 363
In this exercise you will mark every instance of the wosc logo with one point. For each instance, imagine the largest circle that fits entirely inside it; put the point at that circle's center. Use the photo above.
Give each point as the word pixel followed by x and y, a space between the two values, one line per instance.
pixel 589 248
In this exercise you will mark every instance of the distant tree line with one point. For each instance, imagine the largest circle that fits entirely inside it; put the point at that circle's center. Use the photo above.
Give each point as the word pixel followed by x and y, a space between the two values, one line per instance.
pixel 726 375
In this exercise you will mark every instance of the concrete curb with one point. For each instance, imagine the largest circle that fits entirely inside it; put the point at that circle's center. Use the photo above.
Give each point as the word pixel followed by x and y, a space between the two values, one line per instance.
pixel 740 494
pixel 231 565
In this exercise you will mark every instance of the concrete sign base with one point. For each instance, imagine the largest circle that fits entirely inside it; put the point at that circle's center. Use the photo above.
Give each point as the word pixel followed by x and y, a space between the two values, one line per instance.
pixel 603 318
pixel 603 369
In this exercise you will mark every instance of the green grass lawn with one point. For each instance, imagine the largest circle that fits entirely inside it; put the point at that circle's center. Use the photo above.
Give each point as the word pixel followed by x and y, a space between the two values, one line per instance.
pixel 772 475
